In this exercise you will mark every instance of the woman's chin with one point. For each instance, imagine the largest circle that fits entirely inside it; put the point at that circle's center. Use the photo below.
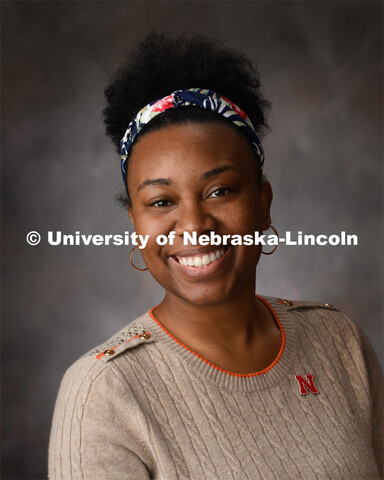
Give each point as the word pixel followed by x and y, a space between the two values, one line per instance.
pixel 207 285
pixel 204 299
pixel 205 295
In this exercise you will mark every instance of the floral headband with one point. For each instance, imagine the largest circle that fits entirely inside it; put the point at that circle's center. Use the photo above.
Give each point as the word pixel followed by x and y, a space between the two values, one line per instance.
pixel 203 98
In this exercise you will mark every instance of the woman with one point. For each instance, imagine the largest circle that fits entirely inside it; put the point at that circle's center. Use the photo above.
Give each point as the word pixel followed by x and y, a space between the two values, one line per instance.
pixel 214 382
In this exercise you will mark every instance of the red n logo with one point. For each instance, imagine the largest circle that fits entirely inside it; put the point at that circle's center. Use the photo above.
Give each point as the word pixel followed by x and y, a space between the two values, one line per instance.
pixel 306 384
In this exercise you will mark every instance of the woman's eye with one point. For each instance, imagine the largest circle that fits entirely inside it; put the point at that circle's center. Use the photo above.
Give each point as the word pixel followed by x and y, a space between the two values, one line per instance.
pixel 220 192
pixel 160 203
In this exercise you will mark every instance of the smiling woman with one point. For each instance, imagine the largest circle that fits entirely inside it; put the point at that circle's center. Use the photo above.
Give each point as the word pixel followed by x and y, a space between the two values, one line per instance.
pixel 209 180
pixel 215 382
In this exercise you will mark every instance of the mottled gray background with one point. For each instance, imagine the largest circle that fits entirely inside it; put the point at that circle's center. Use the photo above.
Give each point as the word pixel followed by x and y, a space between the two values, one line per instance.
pixel 321 65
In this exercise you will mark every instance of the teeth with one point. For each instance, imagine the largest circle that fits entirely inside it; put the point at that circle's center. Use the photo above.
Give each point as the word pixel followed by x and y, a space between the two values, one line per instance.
pixel 203 261
pixel 198 262
pixel 206 260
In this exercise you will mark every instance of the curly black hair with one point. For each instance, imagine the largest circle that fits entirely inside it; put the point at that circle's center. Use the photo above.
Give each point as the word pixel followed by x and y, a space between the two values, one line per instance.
pixel 160 64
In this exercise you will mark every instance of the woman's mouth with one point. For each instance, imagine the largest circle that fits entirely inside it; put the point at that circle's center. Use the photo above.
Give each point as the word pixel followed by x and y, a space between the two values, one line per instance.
pixel 201 264
pixel 201 260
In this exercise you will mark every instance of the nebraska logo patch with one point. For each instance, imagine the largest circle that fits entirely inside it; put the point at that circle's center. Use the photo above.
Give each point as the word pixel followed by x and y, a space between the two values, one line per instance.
pixel 307 384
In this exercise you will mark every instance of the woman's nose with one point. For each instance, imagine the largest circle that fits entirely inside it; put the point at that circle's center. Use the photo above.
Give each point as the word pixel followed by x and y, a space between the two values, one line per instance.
pixel 195 217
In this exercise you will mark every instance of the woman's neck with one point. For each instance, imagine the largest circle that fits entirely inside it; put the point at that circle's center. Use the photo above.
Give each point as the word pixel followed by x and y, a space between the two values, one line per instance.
pixel 233 324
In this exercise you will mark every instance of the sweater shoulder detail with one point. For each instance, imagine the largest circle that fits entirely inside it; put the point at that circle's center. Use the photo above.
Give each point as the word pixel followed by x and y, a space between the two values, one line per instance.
pixel 297 304
pixel 129 337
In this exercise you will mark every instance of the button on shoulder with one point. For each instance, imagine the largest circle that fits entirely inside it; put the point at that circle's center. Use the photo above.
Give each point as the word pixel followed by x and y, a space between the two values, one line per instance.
pixel 294 304
pixel 129 337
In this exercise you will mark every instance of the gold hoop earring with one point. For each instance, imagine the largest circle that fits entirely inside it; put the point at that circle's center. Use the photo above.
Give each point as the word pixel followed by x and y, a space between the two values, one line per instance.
pixel 277 235
pixel 131 262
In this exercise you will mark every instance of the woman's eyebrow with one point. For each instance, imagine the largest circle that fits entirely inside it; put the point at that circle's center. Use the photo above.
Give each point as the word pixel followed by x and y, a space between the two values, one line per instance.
pixel 217 170
pixel 155 181
pixel 168 181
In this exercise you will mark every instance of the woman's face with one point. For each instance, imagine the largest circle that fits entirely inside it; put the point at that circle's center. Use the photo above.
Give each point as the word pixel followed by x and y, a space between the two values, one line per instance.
pixel 202 178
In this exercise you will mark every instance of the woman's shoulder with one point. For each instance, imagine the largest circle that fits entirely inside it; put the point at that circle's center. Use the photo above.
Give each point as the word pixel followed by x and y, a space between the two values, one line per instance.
pixel 90 394
pixel 90 365
pixel 133 334
pixel 312 313
pixel 323 324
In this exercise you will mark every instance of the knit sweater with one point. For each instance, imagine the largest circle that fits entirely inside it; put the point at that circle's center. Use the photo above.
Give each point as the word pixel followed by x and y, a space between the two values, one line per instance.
pixel 144 406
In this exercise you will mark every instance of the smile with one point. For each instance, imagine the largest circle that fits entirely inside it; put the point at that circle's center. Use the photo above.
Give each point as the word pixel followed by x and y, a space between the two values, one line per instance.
pixel 202 264
pixel 202 260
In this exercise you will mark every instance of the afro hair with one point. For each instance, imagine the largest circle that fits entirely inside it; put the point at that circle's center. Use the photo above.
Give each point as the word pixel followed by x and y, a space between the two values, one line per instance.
pixel 160 64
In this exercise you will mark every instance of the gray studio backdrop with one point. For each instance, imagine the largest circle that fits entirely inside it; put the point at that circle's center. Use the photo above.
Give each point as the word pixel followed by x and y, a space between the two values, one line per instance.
pixel 321 67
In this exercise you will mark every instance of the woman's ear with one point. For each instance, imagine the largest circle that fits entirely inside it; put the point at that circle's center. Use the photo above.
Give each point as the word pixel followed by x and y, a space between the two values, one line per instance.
pixel 130 215
pixel 266 200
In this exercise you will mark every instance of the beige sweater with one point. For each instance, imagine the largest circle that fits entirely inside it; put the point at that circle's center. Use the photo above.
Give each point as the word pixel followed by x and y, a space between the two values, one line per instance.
pixel 150 408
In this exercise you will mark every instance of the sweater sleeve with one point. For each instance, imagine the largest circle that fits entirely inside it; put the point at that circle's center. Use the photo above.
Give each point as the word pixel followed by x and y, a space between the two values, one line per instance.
pixel 376 387
pixel 88 438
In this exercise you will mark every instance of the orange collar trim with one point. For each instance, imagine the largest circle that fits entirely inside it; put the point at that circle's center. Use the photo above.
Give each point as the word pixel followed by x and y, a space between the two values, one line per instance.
pixel 221 369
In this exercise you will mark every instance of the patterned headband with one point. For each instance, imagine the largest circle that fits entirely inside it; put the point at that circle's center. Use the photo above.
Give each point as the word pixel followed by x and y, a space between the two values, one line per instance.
pixel 203 98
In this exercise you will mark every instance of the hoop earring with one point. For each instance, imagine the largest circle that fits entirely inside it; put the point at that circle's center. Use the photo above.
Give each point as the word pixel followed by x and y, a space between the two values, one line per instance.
pixel 277 235
pixel 131 262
